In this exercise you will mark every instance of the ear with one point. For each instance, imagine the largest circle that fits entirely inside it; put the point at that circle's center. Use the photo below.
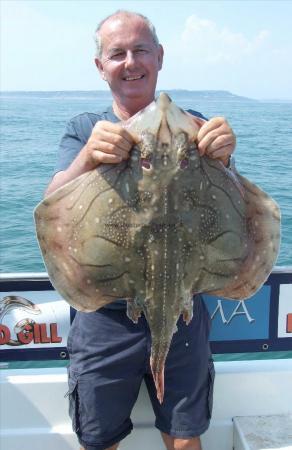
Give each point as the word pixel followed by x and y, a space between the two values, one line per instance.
pixel 160 56
pixel 99 66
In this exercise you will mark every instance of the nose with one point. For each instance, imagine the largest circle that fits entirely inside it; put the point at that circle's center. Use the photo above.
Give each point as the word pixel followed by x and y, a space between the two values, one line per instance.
pixel 130 59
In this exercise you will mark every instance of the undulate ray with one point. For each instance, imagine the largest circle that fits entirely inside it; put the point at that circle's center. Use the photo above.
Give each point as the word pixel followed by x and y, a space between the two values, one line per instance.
pixel 158 228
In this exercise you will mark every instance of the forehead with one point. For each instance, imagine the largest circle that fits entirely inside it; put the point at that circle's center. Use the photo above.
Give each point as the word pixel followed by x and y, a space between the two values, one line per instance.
pixel 125 32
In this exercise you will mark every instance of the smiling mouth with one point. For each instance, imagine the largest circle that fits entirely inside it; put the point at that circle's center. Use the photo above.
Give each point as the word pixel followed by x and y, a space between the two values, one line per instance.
pixel 139 77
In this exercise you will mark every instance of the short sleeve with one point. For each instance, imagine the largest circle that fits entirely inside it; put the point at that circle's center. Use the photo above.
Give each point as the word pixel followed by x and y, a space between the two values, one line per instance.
pixel 197 114
pixel 70 145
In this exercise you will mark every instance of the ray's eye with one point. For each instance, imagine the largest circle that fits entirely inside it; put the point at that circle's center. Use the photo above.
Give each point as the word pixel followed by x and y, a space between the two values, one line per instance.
pixel 146 163
pixel 184 163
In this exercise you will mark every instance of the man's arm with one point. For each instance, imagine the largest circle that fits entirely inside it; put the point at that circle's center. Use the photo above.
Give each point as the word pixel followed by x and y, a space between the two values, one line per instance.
pixel 109 143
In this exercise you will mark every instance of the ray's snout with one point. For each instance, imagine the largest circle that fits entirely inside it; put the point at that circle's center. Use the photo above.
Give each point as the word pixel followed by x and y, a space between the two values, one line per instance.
pixel 163 101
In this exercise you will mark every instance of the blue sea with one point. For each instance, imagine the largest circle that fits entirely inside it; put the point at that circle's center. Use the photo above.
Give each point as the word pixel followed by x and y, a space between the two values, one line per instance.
pixel 32 124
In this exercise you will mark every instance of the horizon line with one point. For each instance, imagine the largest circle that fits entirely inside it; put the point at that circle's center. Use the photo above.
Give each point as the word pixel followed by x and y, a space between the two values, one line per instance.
pixel 164 89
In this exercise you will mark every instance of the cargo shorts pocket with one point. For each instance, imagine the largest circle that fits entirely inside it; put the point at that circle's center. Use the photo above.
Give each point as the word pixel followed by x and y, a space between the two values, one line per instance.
pixel 211 371
pixel 73 401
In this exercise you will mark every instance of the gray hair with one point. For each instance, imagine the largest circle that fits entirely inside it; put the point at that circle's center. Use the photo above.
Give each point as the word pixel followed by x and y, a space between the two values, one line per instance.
pixel 121 12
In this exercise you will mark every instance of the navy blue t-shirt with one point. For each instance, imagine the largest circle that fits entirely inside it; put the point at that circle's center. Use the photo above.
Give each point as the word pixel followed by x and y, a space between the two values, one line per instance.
pixel 77 133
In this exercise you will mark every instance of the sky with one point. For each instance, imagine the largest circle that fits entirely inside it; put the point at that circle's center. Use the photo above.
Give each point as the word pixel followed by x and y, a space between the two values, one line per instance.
pixel 244 47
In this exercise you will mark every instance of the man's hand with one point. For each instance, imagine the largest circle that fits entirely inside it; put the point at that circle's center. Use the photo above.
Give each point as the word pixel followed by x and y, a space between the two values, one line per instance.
pixel 216 139
pixel 109 143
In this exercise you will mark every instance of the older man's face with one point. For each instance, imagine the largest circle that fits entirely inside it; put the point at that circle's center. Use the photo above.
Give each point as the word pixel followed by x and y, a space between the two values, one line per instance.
pixel 130 61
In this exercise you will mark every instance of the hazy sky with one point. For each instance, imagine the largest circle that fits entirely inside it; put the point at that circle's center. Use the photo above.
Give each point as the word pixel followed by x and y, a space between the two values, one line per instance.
pixel 241 46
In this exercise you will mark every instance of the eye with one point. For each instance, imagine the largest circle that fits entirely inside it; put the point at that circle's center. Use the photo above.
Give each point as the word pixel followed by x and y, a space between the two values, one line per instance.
pixel 118 55
pixel 184 163
pixel 146 163
pixel 140 51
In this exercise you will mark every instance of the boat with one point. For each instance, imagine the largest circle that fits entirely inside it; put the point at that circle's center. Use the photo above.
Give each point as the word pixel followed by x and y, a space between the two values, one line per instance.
pixel 251 344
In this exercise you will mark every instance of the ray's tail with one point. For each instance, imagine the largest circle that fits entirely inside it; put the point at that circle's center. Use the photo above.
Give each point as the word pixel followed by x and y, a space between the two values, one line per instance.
pixel 158 377
pixel 157 364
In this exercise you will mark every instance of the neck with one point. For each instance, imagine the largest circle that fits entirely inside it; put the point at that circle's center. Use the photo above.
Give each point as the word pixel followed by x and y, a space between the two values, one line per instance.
pixel 124 112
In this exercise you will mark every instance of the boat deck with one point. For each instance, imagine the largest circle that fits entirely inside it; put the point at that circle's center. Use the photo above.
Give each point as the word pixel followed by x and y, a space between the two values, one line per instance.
pixel 34 409
pixel 33 375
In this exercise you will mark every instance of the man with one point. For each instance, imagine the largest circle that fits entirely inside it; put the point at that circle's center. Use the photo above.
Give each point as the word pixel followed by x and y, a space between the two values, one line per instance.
pixel 109 355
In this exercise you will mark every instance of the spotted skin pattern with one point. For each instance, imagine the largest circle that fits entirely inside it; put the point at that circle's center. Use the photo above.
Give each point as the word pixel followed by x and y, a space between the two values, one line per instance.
pixel 158 228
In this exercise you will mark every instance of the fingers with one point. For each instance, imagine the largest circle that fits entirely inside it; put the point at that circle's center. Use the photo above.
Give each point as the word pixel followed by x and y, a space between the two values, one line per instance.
pixel 105 146
pixel 106 158
pixel 216 139
pixel 220 142
pixel 109 143
pixel 210 125
pixel 114 134
pixel 223 154
pixel 198 120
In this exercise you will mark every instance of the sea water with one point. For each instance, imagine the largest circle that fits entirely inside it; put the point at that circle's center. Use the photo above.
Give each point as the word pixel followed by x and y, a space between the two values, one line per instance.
pixel 32 124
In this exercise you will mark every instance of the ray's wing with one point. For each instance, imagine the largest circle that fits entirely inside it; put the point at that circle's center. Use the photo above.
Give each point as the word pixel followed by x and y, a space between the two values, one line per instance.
pixel 263 225
pixel 80 242
pixel 237 237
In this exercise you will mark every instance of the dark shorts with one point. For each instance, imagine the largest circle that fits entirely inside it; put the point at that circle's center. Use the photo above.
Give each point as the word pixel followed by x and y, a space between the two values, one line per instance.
pixel 109 358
